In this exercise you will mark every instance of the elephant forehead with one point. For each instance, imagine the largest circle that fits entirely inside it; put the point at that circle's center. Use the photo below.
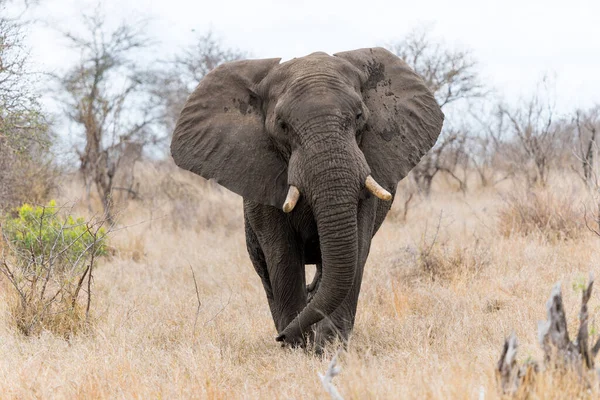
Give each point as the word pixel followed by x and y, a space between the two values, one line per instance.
pixel 315 63
pixel 316 66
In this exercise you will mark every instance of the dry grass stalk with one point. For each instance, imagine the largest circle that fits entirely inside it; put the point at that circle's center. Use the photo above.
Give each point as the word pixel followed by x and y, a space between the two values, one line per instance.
pixel 439 259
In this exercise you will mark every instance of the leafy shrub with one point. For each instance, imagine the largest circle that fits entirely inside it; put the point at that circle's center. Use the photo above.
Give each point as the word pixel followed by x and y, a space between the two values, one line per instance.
pixel 47 257
pixel 36 230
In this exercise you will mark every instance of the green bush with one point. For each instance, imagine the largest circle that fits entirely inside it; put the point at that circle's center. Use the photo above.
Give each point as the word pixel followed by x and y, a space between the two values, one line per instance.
pixel 47 257
pixel 39 231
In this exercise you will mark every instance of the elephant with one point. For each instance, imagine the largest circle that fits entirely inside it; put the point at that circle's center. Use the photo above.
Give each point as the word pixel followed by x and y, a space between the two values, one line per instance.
pixel 316 147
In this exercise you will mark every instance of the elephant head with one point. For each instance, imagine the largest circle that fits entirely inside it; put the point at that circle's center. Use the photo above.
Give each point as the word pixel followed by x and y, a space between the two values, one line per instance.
pixel 329 128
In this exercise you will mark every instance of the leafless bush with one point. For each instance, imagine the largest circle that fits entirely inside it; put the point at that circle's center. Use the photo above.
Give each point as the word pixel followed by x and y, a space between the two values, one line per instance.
pixel 437 259
pixel 592 218
pixel 587 124
pixel 587 127
pixel 26 170
pixel 487 146
pixel 446 262
pixel 540 213
pixel 25 176
pixel 535 129
pixel 446 157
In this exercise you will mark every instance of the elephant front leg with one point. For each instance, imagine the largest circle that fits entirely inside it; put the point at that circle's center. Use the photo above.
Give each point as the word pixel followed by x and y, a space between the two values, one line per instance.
pixel 340 323
pixel 288 285
pixel 279 261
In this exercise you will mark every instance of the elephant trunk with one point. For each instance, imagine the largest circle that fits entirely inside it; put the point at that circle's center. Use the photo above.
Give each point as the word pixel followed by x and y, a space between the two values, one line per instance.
pixel 336 177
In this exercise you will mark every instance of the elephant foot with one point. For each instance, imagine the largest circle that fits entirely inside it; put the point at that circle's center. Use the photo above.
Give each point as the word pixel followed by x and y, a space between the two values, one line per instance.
pixel 323 335
pixel 294 338
pixel 327 333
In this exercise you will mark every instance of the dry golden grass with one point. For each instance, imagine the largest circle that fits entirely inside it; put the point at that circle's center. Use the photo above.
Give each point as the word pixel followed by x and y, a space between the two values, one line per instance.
pixel 550 214
pixel 58 317
pixel 432 316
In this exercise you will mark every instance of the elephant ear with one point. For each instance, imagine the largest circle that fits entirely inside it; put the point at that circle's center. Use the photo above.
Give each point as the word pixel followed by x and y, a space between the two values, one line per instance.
pixel 220 134
pixel 405 119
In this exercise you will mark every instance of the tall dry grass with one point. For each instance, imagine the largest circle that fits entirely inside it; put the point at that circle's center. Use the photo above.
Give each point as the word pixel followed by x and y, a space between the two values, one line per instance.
pixel 549 214
pixel 441 291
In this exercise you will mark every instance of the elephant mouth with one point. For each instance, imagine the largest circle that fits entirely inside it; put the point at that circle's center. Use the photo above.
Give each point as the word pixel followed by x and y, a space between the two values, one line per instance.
pixel 370 183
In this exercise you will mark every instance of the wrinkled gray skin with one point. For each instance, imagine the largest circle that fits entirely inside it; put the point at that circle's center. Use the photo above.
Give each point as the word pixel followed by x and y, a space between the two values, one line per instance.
pixel 321 123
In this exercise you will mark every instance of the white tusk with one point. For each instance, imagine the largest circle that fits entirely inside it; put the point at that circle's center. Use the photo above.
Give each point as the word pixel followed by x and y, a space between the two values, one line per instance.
pixel 291 199
pixel 376 189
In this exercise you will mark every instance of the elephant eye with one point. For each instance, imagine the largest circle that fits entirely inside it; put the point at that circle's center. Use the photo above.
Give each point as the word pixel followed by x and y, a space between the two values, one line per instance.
pixel 359 116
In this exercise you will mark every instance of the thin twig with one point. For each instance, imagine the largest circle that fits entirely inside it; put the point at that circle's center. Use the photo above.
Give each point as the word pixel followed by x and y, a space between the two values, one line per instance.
pixel 198 298
pixel 585 219
pixel 91 268
pixel 437 231
pixel 220 310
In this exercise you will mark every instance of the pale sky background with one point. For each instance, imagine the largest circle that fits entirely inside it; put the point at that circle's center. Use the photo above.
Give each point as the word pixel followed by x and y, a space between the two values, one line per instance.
pixel 515 41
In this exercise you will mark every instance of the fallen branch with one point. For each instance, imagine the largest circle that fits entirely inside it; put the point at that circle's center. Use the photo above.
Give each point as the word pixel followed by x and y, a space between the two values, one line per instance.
pixel 560 353
pixel 510 375
pixel 327 380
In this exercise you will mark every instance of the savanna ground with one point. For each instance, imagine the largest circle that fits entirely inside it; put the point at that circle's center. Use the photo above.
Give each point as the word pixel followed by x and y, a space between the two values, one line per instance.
pixel 441 291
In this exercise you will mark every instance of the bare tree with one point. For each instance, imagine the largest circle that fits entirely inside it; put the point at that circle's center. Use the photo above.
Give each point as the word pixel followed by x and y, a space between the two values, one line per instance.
pixel 481 159
pixel 26 173
pixel 182 73
pixel 448 154
pixel 587 124
pixel 535 130
pixel 452 76
pixel 487 146
pixel 109 99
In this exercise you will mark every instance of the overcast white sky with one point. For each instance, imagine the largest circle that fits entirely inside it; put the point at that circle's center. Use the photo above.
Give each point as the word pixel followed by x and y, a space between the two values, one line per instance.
pixel 515 41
